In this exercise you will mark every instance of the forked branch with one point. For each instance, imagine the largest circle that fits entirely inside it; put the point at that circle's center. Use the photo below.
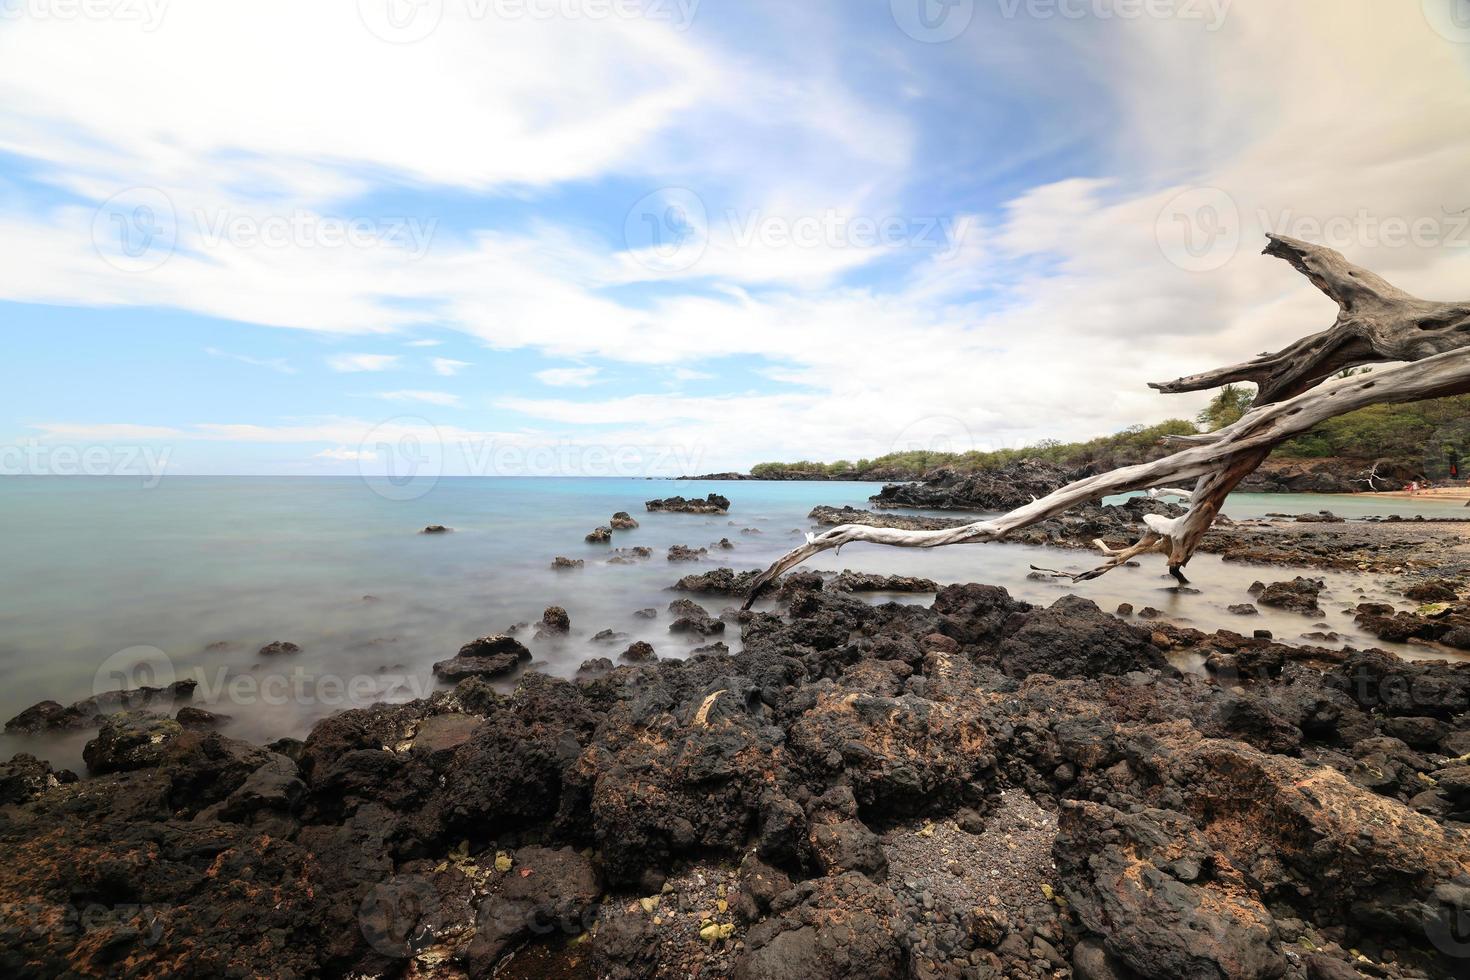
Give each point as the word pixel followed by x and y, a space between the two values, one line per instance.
pixel 1377 323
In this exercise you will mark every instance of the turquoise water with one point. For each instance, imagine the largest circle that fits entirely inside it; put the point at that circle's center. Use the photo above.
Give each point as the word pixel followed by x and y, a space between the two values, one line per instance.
pixel 97 566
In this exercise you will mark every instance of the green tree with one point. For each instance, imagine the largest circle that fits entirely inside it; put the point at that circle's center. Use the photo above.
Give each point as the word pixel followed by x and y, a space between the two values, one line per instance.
pixel 1227 407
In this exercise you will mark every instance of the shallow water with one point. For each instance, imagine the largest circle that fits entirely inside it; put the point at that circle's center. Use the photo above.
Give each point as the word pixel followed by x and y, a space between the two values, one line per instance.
pixel 97 568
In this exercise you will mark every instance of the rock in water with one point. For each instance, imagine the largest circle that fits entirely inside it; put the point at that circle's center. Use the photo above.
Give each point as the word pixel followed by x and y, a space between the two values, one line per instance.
pixel 488 657
pixel 1298 595
pixel 1007 488
pixel 713 504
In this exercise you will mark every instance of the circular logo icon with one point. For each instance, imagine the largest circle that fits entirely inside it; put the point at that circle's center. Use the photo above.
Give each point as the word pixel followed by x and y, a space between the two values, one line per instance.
pixel 667 231
pixel 933 21
pixel 1449 18
pixel 392 913
pixel 934 434
pixel 136 230
pixel 134 668
pixel 1199 229
pixel 401 458
pixel 1447 919
pixel 401 21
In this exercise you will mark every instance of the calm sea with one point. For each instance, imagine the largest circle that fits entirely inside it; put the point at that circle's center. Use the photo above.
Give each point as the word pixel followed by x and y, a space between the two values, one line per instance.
pixel 191 577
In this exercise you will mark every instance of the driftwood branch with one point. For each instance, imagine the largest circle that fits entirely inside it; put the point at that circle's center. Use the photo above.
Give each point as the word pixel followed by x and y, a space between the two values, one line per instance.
pixel 1377 323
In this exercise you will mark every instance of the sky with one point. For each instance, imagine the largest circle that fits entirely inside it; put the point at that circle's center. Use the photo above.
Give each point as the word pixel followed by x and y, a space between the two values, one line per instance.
pixel 654 237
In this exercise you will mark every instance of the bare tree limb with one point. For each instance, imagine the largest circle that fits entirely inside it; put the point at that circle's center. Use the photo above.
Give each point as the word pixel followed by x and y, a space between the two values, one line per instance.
pixel 1377 323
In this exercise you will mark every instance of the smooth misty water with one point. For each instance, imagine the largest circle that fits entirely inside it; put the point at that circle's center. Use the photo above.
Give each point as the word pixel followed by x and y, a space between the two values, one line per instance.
pixel 96 566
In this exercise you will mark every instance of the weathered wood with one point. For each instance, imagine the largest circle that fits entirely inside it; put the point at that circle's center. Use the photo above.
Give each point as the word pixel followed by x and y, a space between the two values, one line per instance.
pixel 1376 323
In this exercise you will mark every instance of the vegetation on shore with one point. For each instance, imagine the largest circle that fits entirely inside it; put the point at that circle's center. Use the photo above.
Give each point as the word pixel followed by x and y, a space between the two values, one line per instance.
pixel 1432 434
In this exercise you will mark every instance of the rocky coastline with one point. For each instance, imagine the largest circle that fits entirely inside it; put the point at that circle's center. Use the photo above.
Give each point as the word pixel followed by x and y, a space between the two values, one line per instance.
pixel 971 787
pixel 976 787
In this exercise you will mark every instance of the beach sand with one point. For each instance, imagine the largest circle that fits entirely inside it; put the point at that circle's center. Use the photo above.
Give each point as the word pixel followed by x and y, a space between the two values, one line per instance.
pixel 1435 493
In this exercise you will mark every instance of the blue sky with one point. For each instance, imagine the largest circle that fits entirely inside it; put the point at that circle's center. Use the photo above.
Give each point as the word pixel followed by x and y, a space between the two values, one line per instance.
pixel 663 235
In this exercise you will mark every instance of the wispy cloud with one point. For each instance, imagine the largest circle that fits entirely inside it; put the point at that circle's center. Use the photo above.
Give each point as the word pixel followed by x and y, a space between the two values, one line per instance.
pixel 273 363
pixel 345 455
pixel 348 363
pixel 441 398
pixel 581 377
pixel 448 367
pixel 106 431
pixel 423 343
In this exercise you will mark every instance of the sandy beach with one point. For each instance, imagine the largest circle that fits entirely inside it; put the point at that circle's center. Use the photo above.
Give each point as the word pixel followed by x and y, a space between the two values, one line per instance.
pixel 1434 493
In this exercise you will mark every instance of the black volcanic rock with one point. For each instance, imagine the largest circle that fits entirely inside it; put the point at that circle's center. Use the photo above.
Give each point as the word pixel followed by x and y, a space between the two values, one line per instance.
pixel 1004 489
pixel 713 504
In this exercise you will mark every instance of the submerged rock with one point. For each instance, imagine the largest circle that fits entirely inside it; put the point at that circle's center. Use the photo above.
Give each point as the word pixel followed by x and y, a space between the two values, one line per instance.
pixel 623 521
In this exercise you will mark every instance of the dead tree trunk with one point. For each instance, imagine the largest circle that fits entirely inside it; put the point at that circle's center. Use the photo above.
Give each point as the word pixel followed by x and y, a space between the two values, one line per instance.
pixel 1376 323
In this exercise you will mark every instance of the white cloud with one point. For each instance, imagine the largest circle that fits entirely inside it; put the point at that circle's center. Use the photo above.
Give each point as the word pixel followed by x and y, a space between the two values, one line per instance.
pixel 441 398
pixel 423 343
pixel 448 367
pixel 1081 305
pixel 345 455
pixel 278 364
pixel 581 377
pixel 107 431
pixel 349 363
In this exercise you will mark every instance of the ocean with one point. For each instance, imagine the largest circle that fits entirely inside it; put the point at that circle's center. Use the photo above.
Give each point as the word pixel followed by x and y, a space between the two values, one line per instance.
pixel 190 578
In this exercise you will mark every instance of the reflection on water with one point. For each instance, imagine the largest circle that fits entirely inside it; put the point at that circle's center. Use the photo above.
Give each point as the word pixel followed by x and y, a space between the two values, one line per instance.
pixel 208 570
